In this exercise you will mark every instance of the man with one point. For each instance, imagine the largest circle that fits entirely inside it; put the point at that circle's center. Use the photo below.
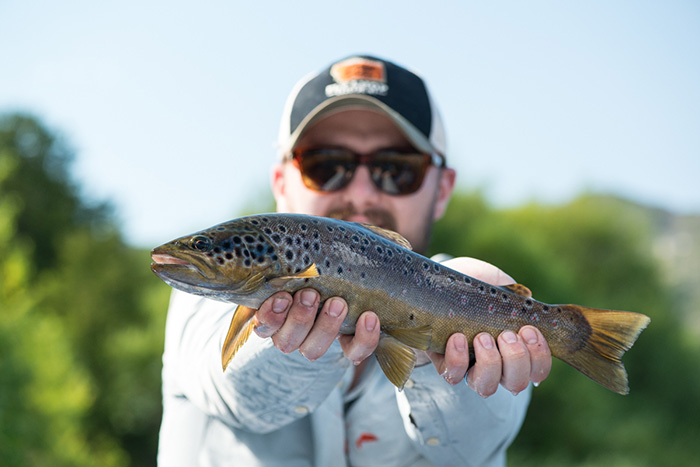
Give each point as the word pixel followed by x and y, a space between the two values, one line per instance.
pixel 361 141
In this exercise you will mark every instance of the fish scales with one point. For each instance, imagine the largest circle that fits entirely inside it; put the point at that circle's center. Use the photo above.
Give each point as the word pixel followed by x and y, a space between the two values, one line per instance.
pixel 419 302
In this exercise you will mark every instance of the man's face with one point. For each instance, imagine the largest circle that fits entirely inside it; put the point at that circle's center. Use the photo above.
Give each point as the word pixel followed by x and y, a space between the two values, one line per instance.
pixel 364 132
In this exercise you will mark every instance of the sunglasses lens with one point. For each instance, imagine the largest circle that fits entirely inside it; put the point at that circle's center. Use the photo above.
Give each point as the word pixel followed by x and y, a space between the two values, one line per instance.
pixel 326 169
pixel 329 169
pixel 398 173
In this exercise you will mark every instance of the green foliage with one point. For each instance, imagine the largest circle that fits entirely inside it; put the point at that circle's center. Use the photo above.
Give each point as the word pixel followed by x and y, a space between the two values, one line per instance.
pixel 595 251
pixel 81 329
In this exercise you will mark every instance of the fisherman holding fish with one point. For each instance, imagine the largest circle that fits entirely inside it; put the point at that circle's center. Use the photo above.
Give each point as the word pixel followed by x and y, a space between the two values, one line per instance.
pixel 360 141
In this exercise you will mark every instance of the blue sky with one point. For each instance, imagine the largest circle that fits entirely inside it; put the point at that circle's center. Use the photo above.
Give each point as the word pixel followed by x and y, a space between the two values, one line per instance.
pixel 173 107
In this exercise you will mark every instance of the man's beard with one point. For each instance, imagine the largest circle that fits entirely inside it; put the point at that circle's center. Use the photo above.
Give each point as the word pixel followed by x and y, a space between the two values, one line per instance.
pixel 384 219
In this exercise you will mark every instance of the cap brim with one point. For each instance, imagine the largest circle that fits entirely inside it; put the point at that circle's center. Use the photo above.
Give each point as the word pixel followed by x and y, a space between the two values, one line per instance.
pixel 341 103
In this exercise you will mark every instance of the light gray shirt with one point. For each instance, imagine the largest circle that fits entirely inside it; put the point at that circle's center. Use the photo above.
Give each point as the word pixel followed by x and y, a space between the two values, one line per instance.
pixel 272 409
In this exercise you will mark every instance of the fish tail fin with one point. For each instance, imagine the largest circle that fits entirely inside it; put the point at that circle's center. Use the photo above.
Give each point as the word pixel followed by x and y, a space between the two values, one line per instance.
pixel 241 326
pixel 598 355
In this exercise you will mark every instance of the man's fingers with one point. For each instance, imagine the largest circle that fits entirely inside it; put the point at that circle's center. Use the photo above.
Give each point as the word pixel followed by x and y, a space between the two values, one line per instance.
pixel 540 355
pixel 300 320
pixel 485 375
pixel 516 362
pixel 271 315
pixel 325 328
pixel 360 346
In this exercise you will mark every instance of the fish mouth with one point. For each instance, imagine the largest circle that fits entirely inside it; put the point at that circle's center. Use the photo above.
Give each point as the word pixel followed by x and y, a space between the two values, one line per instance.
pixel 167 263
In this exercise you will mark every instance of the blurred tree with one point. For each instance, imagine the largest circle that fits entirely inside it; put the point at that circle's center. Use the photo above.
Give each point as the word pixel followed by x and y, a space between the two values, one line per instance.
pixel 595 251
pixel 89 312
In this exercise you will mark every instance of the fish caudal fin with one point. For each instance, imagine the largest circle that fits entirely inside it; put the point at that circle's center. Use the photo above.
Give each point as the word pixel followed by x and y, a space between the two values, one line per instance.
pixel 612 333
pixel 396 360
pixel 238 333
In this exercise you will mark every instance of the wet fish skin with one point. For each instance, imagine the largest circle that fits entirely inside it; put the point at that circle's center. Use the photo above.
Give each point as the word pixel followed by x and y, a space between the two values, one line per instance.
pixel 419 302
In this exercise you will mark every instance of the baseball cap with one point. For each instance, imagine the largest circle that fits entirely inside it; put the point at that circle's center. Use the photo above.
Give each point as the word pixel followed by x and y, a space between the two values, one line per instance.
pixel 366 82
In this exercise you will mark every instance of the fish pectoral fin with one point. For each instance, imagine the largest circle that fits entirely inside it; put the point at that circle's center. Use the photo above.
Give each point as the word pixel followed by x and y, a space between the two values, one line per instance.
pixel 238 332
pixel 418 338
pixel 389 235
pixel 251 284
pixel 396 360
pixel 308 273
pixel 518 289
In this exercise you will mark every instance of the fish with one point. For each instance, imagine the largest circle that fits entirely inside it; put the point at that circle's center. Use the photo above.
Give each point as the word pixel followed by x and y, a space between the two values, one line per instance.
pixel 420 303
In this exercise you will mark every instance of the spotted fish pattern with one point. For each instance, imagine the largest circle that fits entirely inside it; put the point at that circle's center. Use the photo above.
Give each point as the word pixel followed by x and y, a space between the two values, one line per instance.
pixel 419 302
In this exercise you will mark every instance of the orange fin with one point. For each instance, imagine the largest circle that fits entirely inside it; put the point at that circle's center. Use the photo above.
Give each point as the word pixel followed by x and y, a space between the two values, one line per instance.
pixel 396 360
pixel 418 338
pixel 599 355
pixel 389 235
pixel 518 289
pixel 238 333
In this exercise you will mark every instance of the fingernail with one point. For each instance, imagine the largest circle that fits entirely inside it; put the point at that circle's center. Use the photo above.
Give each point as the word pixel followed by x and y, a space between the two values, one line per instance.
pixel 529 335
pixel 335 308
pixel 370 322
pixel 280 304
pixel 510 337
pixel 308 297
pixel 486 341
pixel 460 342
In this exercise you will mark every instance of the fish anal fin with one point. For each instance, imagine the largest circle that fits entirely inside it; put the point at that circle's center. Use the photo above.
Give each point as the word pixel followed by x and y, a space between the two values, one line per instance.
pixel 396 360
pixel 238 332
pixel 389 235
pixel 418 338
pixel 518 289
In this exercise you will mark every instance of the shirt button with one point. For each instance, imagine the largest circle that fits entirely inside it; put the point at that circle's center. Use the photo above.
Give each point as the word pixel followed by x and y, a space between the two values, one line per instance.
pixel 301 409
pixel 432 441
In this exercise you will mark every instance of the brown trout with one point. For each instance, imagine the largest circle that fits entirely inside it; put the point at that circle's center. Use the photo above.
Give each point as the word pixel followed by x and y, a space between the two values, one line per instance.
pixel 419 302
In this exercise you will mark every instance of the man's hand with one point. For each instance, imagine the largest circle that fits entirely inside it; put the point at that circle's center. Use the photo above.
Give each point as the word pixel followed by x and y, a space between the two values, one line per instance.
pixel 513 360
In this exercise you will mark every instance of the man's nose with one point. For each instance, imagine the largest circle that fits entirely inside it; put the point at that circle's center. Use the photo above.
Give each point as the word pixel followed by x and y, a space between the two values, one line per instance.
pixel 361 190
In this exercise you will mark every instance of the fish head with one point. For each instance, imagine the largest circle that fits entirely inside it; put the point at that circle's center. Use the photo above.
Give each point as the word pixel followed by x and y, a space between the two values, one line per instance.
pixel 226 262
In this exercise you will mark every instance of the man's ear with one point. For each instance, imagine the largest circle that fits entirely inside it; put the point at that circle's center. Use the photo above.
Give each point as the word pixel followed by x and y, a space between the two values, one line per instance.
pixel 445 188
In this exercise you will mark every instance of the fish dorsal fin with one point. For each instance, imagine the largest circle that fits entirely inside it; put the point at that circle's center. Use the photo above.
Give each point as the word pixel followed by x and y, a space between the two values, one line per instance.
pixel 389 235
pixel 308 273
pixel 418 338
pixel 519 289
pixel 396 360
pixel 238 332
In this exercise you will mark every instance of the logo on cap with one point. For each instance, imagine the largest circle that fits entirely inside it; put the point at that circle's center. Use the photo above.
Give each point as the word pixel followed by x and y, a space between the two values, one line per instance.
pixel 358 76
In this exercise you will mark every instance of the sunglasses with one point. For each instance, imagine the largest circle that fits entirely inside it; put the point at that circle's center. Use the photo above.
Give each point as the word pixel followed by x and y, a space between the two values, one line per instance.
pixel 393 172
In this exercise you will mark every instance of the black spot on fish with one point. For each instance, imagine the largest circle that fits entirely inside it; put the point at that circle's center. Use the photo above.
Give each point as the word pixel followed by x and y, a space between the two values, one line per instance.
pixel 436 267
pixel 363 275
pixel 303 227
pixel 259 248
pixel 270 250
pixel 545 309
pixel 268 231
pixel 411 317
pixel 249 239
pixel 317 247
pixel 247 262
pixel 467 280
pixel 282 228
pixel 330 229
pixel 340 269
pixel 289 254
pixel 217 250
pixel 237 239
pixel 482 288
pixel 254 222
pixel 379 249
pixel 492 290
pixel 261 259
pixel 289 241
pixel 316 235
pixel 276 238
pixel 229 256
pixel 220 260
pixel 426 266
pixel 355 238
pixel 227 245
pixel 307 245
pixel 341 228
pixel 266 219
pixel 307 260
pixel 528 303
pixel 246 253
pixel 274 257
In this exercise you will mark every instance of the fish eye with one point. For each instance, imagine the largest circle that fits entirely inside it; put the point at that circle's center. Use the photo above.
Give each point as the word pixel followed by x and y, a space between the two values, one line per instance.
pixel 200 243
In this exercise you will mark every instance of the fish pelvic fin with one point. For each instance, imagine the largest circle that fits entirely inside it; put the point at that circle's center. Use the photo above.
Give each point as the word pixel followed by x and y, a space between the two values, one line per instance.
pixel 396 360
pixel 238 332
pixel 612 333
pixel 418 338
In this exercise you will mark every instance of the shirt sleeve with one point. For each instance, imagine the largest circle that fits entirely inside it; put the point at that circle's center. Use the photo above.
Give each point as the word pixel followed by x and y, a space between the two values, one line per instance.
pixel 262 390
pixel 452 425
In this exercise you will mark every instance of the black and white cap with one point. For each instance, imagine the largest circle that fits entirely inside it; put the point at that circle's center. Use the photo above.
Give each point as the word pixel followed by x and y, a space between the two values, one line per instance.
pixel 369 82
